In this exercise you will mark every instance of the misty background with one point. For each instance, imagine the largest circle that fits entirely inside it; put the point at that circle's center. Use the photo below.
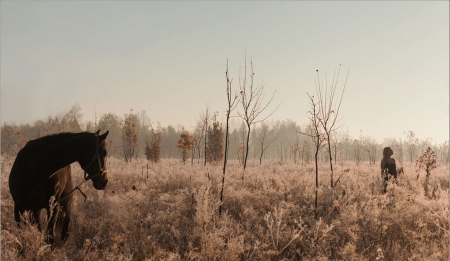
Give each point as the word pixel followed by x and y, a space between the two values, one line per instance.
pixel 166 62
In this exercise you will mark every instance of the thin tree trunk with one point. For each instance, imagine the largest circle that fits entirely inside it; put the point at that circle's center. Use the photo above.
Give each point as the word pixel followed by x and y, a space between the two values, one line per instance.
pixel 335 157
pixel 231 103
pixel 261 156
pixel 246 149
pixel 317 175
pixel 224 165
pixel 303 152
pixel 331 160
pixel 281 152
pixel 206 128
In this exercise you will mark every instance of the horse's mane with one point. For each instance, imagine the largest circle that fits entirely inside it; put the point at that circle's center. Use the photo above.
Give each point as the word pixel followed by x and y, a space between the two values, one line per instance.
pixel 57 137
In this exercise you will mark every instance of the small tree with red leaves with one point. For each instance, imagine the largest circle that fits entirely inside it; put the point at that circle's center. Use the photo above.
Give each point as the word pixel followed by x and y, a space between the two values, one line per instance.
pixel 185 144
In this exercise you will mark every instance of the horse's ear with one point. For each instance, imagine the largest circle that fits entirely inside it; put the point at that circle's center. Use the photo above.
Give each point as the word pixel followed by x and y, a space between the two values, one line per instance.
pixel 103 136
pixel 97 132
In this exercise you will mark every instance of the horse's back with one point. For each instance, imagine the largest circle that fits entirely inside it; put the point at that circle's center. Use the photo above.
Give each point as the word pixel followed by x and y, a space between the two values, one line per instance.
pixel 29 170
pixel 28 190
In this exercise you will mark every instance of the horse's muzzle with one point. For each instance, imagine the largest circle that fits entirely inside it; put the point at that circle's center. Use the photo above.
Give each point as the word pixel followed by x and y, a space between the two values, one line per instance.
pixel 101 181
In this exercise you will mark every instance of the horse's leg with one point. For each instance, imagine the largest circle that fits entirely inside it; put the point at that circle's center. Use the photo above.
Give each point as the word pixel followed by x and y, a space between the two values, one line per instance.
pixel 54 208
pixel 65 220
pixel 65 205
pixel 51 224
pixel 37 217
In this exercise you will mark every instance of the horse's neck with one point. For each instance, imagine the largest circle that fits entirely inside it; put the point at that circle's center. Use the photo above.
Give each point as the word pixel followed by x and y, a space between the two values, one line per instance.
pixel 74 149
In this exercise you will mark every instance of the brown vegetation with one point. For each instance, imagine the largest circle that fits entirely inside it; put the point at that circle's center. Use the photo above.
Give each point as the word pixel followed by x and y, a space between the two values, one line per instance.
pixel 171 214
pixel 214 148
pixel 153 147
pixel 130 136
pixel 185 144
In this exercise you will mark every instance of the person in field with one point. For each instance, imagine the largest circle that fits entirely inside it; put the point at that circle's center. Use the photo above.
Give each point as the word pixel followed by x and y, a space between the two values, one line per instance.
pixel 388 167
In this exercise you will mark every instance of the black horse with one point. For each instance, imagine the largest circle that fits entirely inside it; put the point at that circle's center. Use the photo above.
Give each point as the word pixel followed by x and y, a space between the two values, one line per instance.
pixel 42 170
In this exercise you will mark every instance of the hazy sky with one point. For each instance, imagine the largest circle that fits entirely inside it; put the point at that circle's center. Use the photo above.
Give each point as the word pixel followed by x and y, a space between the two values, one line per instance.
pixel 168 58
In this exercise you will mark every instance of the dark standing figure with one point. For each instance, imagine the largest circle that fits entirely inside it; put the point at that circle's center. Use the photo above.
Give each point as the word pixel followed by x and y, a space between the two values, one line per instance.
pixel 388 167
pixel 42 170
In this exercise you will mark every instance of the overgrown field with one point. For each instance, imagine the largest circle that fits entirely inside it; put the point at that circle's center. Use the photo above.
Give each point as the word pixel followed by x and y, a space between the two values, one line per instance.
pixel 170 212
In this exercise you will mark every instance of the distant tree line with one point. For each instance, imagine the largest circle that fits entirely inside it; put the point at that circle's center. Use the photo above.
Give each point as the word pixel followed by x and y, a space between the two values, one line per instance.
pixel 134 136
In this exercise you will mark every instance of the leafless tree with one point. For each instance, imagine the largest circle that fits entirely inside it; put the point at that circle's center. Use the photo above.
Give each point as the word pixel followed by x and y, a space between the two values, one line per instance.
pixel 130 135
pixel 70 121
pixel 266 138
pixel 113 123
pixel 357 150
pixel 412 143
pixel 241 146
pixel 318 138
pixel 306 152
pixel 345 144
pixel 399 151
pixel 170 138
pixel 233 100
pixel 443 152
pixel 295 149
pixel 204 119
pixel 144 132
pixel 329 111
pixel 336 145
pixel 90 126
pixel 252 100
pixel 198 137
pixel 370 146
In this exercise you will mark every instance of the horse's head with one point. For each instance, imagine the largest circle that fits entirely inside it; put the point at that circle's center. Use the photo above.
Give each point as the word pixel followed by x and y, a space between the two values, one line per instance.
pixel 96 170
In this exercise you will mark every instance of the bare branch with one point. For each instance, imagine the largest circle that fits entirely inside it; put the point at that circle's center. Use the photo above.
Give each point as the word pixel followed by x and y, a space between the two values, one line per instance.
pixel 328 112
pixel 252 101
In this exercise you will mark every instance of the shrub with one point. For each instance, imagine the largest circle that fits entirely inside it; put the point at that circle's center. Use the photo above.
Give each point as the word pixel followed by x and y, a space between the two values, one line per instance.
pixel 153 147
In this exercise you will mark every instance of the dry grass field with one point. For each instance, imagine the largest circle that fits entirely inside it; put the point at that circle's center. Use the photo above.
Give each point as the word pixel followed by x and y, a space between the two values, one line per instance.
pixel 170 212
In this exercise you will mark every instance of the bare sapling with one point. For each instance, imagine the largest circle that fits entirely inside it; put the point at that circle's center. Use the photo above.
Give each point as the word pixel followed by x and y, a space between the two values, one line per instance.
pixel 329 110
pixel 233 100
pixel 252 100
pixel 318 138
pixel 198 136
pixel 204 118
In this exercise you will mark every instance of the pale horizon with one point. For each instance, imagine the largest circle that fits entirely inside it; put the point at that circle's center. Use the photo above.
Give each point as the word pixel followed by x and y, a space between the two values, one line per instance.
pixel 169 58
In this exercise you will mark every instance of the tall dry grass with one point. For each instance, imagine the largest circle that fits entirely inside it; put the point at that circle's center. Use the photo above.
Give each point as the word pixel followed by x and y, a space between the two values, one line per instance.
pixel 170 213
